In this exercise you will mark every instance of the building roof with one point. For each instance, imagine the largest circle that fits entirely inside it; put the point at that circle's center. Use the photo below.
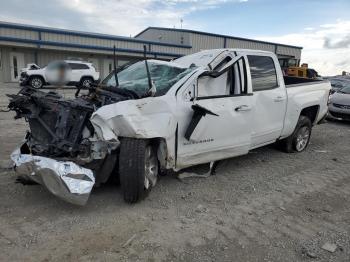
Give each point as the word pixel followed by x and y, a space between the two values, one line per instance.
pixel 212 34
pixel 84 34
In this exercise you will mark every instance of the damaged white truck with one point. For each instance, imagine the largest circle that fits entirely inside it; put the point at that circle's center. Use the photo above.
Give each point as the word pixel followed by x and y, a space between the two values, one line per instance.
pixel 153 116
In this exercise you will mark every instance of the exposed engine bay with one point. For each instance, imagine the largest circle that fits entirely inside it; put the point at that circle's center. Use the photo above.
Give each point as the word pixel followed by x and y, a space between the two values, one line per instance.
pixel 61 132
pixel 60 128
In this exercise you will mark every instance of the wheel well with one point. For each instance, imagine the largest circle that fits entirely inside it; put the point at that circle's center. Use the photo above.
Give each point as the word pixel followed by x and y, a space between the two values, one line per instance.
pixel 310 112
pixel 160 145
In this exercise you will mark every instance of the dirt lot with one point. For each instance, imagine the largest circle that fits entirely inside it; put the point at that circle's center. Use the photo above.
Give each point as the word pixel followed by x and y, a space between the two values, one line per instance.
pixel 266 206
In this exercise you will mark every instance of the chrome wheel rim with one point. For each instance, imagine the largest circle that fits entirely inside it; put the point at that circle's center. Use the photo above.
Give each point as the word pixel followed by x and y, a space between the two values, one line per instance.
pixel 36 83
pixel 151 168
pixel 302 138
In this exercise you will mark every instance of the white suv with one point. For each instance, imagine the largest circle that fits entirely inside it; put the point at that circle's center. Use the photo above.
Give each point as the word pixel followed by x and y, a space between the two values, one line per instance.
pixel 76 73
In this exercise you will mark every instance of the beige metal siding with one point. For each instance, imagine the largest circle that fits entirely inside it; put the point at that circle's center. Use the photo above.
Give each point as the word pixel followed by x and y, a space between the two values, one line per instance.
pixel 18 33
pixel 106 43
pixel 166 36
pixel 174 50
pixel 202 42
pixel 17 44
pixel 246 44
pixel 1 65
pixel 289 51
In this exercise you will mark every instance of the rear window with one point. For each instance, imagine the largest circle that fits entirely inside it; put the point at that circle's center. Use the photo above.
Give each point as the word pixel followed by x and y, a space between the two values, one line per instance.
pixel 76 66
pixel 263 72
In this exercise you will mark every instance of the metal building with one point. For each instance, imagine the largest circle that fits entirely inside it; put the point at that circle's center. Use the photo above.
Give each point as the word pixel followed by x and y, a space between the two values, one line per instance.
pixel 202 40
pixel 22 44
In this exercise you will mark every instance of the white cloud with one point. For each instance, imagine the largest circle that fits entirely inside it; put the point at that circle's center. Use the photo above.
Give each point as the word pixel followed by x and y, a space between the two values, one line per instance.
pixel 126 17
pixel 326 48
pixel 118 17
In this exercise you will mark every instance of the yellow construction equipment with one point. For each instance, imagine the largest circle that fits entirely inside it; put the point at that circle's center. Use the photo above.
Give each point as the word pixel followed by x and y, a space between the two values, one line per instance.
pixel 303 71
pixel 290 67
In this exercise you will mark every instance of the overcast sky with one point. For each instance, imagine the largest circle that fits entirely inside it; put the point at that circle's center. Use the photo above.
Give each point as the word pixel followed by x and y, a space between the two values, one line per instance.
pixel 322 27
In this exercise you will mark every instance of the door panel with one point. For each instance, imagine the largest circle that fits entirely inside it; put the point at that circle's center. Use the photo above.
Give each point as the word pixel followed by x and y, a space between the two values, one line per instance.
pixel 217 124
pixel 16 64
pixel 215 137
pixel 269 113
pixel 270 99
pixel 108 65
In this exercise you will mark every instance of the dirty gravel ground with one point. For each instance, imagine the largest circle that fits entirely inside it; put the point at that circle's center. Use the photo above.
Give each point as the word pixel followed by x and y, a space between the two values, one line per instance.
pixel 266 206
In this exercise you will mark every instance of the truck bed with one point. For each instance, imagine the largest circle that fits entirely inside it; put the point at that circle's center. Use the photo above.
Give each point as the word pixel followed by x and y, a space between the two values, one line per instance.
pixel 304 94
pixel 291 81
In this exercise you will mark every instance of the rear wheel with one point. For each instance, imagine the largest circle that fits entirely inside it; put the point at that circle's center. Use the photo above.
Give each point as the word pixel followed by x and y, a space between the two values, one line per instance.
pixel 299 140
pixel 138 168
pixel 36 82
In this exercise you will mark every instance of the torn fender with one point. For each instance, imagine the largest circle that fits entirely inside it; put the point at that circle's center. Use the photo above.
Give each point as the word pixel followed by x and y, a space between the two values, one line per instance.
pixel 145 118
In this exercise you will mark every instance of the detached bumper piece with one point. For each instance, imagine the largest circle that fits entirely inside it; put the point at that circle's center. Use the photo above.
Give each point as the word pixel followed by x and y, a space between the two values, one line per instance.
pixel 64 179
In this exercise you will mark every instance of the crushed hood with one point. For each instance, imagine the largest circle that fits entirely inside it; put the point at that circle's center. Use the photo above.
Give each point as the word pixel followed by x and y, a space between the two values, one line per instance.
pixel 144 118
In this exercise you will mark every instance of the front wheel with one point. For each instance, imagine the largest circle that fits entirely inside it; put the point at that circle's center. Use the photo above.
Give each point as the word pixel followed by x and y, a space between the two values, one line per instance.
pixel 36 82
pixel 299 140
pixel 138 168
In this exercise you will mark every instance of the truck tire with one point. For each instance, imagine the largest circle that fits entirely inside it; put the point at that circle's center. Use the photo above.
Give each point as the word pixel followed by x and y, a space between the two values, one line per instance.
pixel 36 82
pixel 85 82
pixel 138 168
pixel 299 140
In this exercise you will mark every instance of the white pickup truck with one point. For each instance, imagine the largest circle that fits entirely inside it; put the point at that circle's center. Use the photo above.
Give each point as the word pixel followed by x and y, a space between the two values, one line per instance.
pixel 154 115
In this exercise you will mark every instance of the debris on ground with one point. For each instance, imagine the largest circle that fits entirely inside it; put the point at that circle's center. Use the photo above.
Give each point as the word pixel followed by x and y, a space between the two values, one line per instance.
pixel 308 252
pixel 211 171
pixel 127 243
pixel 329 247
pixel 201 209
pixel 320 151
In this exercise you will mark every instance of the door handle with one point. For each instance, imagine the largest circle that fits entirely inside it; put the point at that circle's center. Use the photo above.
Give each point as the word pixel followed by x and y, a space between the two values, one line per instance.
pixel 242 108
pixel 279 99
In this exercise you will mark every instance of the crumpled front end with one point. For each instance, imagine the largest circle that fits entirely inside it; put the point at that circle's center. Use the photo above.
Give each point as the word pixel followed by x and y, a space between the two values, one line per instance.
pixel 64 179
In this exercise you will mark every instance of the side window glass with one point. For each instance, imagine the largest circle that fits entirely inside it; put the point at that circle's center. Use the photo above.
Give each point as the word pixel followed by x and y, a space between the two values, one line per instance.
pixel 263 72
pixel 83 66
pixel 210 86
pixel 72 66
pixel 76 66
pixel 238 79
pixel 232 82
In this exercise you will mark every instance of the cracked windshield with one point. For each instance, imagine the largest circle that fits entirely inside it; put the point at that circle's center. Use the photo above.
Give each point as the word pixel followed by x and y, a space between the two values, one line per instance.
pixel 134 77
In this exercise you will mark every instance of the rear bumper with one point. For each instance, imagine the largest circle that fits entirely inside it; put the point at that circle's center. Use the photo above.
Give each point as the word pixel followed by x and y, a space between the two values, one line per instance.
pixel 64 179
